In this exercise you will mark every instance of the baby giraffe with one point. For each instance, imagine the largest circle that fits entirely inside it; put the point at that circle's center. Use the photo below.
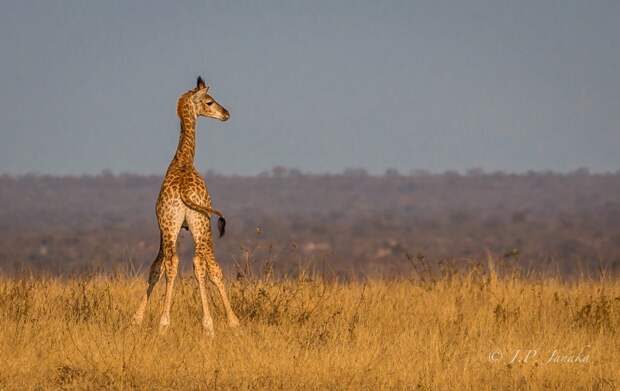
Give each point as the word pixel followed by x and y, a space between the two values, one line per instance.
pixel 185 202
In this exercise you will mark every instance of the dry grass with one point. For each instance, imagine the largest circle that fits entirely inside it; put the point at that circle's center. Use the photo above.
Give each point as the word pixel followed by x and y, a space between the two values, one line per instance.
pixel 456 331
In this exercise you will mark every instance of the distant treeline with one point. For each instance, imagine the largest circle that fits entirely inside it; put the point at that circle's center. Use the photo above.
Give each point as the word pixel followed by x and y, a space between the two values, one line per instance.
pixel 337 223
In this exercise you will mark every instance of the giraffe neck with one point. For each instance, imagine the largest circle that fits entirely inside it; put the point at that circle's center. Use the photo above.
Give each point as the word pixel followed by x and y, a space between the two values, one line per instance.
pixel 187 140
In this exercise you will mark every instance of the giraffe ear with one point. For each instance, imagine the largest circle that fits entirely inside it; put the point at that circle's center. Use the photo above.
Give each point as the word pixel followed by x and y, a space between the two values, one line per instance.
pixel 200 84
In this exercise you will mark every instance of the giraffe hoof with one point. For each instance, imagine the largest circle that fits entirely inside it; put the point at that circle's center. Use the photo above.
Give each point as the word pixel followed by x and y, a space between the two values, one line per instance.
pixel 207 327
pixel 163 327
pixel 136 320
pixel 233 322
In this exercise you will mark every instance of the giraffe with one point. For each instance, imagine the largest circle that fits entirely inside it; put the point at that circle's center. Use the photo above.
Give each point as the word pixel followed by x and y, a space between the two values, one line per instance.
pixel 184 202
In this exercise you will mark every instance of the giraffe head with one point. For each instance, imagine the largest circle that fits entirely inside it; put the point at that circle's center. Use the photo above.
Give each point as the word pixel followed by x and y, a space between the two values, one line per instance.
pixel 202 104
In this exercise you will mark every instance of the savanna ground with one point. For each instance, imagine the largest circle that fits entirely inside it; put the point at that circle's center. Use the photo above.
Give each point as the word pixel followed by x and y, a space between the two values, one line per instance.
pixel 475 328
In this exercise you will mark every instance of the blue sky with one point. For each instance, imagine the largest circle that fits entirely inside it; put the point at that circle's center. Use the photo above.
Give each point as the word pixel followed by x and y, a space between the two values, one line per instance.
pixel 320 86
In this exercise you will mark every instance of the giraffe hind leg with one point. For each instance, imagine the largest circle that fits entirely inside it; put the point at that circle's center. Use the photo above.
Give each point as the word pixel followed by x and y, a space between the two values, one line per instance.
pixel 214 272
pixel 215 276
pixel 166 261
pixel 206 266
pixel 200 272
pixel 170 269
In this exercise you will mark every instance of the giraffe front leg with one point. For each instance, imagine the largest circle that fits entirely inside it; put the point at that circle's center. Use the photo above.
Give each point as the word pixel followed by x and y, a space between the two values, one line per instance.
pixel 171 265
pixel 154 277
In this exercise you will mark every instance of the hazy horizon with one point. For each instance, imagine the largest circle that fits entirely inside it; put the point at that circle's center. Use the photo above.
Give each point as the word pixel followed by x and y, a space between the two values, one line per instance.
pixel 316 86
pixel 475 171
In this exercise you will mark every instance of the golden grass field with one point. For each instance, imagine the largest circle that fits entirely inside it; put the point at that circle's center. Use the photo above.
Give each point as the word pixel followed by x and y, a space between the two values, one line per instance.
pixel 456 331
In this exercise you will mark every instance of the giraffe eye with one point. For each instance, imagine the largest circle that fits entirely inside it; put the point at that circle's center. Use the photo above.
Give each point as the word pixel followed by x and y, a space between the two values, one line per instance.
pixel 209 103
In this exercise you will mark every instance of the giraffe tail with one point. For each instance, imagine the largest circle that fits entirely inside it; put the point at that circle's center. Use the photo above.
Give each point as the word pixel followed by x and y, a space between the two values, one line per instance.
pixel 221 221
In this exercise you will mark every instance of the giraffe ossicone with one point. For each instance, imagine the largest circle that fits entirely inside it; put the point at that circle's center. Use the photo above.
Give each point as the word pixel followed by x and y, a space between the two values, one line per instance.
pixel 184 202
